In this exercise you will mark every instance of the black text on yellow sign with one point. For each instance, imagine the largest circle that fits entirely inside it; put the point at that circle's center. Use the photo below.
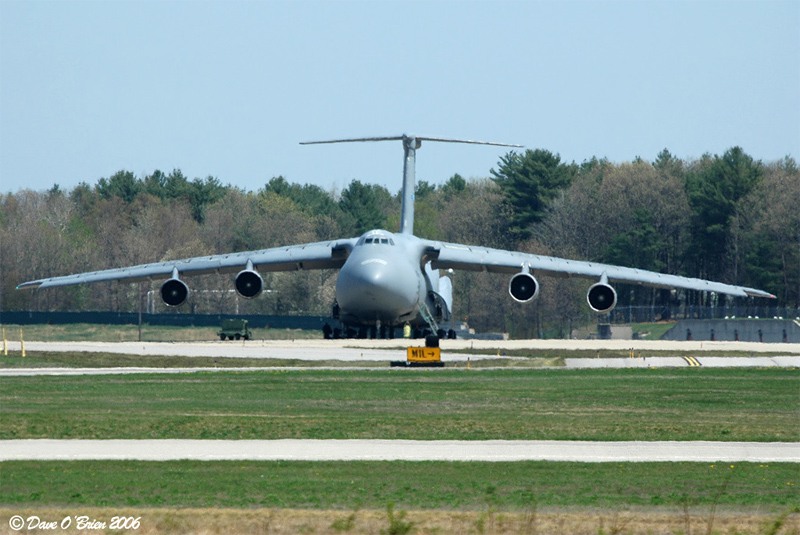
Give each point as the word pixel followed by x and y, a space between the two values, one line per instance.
pixel 424 354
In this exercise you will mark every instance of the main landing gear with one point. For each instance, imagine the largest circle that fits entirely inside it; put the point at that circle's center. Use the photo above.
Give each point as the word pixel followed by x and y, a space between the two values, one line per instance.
pixel 383 332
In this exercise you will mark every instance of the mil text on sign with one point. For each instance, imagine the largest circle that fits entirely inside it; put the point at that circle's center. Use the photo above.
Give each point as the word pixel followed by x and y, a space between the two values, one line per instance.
pixel 424 354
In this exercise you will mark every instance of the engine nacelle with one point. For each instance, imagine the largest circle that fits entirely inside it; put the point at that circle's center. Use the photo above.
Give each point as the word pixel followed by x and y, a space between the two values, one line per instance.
pixel 601 297
pixel 174 292
pixel 249 284
pixel 523 287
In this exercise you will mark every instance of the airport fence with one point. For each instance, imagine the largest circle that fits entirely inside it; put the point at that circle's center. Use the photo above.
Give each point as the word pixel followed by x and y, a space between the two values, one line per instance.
pixel 25 317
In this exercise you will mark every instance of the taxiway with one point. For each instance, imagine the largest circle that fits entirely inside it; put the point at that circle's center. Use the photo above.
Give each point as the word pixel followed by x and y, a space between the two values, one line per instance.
pixel 397 450
pixel 354 352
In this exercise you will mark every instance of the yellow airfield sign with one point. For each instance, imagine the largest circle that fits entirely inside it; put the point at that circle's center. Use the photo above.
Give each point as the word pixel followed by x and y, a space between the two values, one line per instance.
pixel 424 354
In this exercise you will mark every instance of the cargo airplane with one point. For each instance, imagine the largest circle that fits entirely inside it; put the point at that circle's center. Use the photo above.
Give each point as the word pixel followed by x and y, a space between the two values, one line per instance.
pixel 389 279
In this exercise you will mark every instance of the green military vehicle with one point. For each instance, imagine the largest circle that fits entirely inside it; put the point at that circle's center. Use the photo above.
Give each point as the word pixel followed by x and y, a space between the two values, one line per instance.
pixel 234 330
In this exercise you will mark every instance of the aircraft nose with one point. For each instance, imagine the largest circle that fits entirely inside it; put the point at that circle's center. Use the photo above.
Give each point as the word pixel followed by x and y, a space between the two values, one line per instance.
pixel 374 288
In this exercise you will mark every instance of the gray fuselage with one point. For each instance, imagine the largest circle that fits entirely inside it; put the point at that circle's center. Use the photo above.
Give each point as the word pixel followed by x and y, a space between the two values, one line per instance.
pixel 384 280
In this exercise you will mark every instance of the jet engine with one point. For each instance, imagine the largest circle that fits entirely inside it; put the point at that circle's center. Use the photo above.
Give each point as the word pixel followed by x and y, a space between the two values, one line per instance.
pixel 249 283
pixel 174 292
pixel 601 297
pixel 523 287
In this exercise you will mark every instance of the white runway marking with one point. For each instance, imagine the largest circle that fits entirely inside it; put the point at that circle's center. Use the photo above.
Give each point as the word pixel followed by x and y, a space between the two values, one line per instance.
pixel 398 450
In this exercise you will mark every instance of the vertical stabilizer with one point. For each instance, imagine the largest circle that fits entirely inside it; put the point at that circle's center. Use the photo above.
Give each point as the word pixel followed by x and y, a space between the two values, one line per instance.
pixel 410 146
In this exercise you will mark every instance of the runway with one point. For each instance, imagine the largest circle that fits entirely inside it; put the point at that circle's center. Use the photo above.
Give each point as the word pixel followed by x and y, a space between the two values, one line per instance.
pixel 397 450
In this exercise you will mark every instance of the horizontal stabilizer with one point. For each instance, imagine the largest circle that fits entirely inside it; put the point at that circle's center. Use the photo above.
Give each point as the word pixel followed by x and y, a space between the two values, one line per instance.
pixel 406 137
pixel 410 145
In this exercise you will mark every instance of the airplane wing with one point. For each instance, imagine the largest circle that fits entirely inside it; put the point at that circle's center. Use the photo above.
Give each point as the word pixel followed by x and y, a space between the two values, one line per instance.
pixel 320 255
pixel 471 258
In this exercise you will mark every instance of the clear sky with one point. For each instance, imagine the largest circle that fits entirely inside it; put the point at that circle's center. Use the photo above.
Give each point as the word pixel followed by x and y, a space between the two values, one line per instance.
pixel 229 88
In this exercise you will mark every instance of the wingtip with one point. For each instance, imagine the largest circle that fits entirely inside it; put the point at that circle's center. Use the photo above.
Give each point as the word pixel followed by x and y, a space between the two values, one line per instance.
pixel 29 285
pixel 759 293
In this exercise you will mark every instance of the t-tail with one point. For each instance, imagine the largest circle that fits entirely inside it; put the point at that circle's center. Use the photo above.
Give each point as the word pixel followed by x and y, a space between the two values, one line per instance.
pixel 410 145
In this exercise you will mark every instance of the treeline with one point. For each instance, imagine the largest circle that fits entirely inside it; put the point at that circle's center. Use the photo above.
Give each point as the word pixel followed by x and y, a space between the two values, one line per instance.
pixel 722 217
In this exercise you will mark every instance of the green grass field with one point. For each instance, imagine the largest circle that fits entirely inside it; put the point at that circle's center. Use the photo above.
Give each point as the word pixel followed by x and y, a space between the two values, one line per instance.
pixel 514 486
pixel 634 404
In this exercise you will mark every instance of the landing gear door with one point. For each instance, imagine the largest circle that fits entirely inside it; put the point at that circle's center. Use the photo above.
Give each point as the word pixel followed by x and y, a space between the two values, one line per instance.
pixel 446 293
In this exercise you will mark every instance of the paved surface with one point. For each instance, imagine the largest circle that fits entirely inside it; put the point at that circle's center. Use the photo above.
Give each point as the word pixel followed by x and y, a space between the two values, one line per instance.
pixel 653 362
pixel 301 350
pixel 377 349
pixel 394 450
pixel 698 360
pixel 31 372
pixel 387 350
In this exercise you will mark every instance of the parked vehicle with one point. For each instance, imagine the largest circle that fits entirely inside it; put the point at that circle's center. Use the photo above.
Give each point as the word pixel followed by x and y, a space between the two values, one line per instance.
pixel 234 330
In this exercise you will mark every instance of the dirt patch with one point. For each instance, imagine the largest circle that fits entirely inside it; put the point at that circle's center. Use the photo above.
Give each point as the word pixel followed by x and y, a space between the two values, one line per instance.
pixel 293 521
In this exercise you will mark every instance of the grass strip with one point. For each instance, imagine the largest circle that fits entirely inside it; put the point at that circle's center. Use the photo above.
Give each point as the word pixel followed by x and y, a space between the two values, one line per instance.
pixel 733 404
pixel 95 332
pixel 80 359
pixel 475 486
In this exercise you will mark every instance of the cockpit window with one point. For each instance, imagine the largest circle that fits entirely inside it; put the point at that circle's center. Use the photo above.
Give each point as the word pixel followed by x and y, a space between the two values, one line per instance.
pixel 375 241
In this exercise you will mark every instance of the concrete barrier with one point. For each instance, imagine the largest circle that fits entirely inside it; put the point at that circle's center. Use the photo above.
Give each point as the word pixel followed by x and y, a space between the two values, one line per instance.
pixel 743 330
